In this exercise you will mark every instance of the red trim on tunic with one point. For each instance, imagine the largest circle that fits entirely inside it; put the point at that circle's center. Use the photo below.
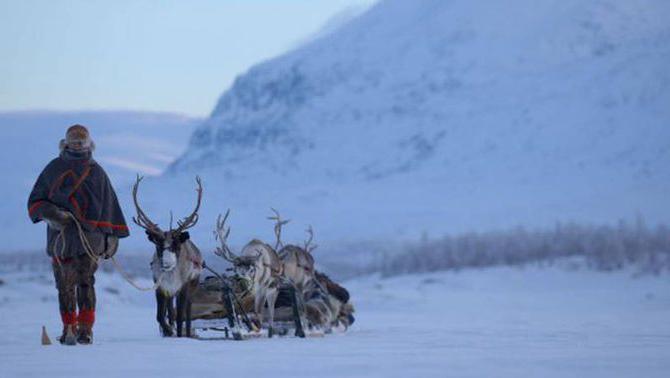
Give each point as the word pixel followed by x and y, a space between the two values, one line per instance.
pixel 107 224
pixel 95 223
pixel 78 210
pixel 57 261
pixel 59 181
pixel 34 207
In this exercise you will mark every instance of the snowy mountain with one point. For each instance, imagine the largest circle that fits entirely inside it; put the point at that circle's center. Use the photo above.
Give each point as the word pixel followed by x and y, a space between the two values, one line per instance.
pixel 442 116
pixel 127 143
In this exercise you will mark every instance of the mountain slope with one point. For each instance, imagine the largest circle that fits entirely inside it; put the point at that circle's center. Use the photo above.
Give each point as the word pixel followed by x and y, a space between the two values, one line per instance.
pixel 440 115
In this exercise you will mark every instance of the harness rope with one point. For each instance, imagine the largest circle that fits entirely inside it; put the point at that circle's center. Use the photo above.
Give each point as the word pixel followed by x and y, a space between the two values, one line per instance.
pixel 243 313
pixel 89 251
pixel 87 246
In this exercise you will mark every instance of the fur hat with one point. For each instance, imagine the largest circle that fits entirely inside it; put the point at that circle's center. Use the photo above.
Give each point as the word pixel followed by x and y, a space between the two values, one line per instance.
pixel 77 138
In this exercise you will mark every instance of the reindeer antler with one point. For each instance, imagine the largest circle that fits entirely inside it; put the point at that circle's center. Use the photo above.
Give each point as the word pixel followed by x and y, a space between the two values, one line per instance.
pixel 142 219
pixel 221 234
pixel 192 219
pixel 279 223
pixel 309 247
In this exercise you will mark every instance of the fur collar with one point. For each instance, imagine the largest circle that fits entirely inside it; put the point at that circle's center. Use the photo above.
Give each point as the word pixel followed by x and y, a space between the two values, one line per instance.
pixel 62 146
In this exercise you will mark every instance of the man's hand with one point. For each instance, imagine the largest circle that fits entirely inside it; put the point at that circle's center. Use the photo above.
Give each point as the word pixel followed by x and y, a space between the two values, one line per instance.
pixel 111 245
pixel 56 218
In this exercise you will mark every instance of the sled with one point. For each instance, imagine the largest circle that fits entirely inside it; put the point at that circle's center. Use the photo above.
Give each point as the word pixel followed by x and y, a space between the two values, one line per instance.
pixel 221 307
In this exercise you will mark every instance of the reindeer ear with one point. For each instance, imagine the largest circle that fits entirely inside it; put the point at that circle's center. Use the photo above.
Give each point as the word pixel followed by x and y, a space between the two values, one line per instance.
pixel 150 236
pixel 184 236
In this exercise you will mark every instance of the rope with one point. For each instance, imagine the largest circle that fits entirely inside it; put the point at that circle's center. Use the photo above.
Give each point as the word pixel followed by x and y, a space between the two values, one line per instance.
pixel 131 282
pixel 236 301
pixel 228 281
pixel 60 235
pixel 91 254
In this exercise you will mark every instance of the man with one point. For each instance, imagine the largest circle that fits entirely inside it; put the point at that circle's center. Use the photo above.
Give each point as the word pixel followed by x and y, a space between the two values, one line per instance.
pixel 84 221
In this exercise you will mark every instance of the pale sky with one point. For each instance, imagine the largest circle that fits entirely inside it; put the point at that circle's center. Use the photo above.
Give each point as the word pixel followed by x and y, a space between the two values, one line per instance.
pixel 175 56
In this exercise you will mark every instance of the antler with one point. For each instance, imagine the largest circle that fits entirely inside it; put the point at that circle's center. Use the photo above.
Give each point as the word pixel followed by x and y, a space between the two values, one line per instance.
pixel 142 219
pixel 192 219
pixel 221 234
pixel 309 247
pixel 278 225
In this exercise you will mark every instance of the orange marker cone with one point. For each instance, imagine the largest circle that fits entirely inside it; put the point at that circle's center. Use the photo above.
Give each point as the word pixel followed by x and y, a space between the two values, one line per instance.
pixel 45 338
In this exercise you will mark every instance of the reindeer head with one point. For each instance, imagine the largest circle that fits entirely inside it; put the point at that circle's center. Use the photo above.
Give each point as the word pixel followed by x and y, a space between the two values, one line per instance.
pixel 244 265
pixel 247 263
pixel 168 243
pixel 308 246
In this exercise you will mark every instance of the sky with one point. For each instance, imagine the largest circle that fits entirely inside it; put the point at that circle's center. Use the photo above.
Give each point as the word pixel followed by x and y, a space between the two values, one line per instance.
pixel 171 56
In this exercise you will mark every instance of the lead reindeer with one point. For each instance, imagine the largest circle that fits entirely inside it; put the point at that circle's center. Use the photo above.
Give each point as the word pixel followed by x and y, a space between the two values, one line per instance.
pixel 259 263
pixel 176 265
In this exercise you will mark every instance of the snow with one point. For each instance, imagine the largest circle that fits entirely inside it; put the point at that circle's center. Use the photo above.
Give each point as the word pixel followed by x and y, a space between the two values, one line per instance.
pixel 502 322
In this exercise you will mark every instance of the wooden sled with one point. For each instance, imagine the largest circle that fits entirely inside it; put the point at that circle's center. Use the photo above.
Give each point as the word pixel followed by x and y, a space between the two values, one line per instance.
pixel 221 307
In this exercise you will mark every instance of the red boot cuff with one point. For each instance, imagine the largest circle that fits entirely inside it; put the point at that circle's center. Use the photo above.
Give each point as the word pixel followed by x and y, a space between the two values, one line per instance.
pixel 69 318
pixel 87 316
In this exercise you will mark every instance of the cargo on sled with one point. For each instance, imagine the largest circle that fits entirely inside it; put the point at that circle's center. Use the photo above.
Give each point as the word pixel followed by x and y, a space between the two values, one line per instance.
pixel 223 309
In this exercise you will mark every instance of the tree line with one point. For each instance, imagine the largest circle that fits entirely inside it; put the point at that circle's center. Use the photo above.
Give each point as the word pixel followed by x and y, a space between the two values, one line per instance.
pixel 603 248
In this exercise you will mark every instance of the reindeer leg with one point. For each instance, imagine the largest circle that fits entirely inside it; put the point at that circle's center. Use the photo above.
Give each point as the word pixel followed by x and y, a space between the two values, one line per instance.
pixel 297 314
pixel 190 288
pixel 259 301
pixel 299 298
pixel 180 311
pixel 227 299
pixel 161 300
pixel 271 298
pixel 170 312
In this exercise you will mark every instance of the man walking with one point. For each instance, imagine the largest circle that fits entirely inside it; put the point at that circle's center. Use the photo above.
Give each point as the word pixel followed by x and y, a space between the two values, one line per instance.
pixel 84 221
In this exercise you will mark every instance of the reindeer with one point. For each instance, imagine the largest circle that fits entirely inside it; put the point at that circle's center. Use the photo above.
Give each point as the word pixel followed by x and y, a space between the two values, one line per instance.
pixel 258 263
pixel 298 266
pixel 326 305
pixel 298 261
pixel 176 265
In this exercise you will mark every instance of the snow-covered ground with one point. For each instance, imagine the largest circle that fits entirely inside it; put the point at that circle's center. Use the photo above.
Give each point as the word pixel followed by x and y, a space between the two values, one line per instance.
pixel 536 322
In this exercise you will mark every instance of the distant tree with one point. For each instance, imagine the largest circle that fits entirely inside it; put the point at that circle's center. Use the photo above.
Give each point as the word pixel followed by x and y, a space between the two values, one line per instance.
pixel 604 248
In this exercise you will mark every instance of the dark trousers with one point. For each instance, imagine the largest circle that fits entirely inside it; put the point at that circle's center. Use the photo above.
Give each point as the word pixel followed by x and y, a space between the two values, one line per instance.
pixel 75 282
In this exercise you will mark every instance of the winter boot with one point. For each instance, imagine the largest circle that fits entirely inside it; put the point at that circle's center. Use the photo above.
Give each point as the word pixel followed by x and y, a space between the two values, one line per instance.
pixel 69 328
pixel 68 337
pixel 85 333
